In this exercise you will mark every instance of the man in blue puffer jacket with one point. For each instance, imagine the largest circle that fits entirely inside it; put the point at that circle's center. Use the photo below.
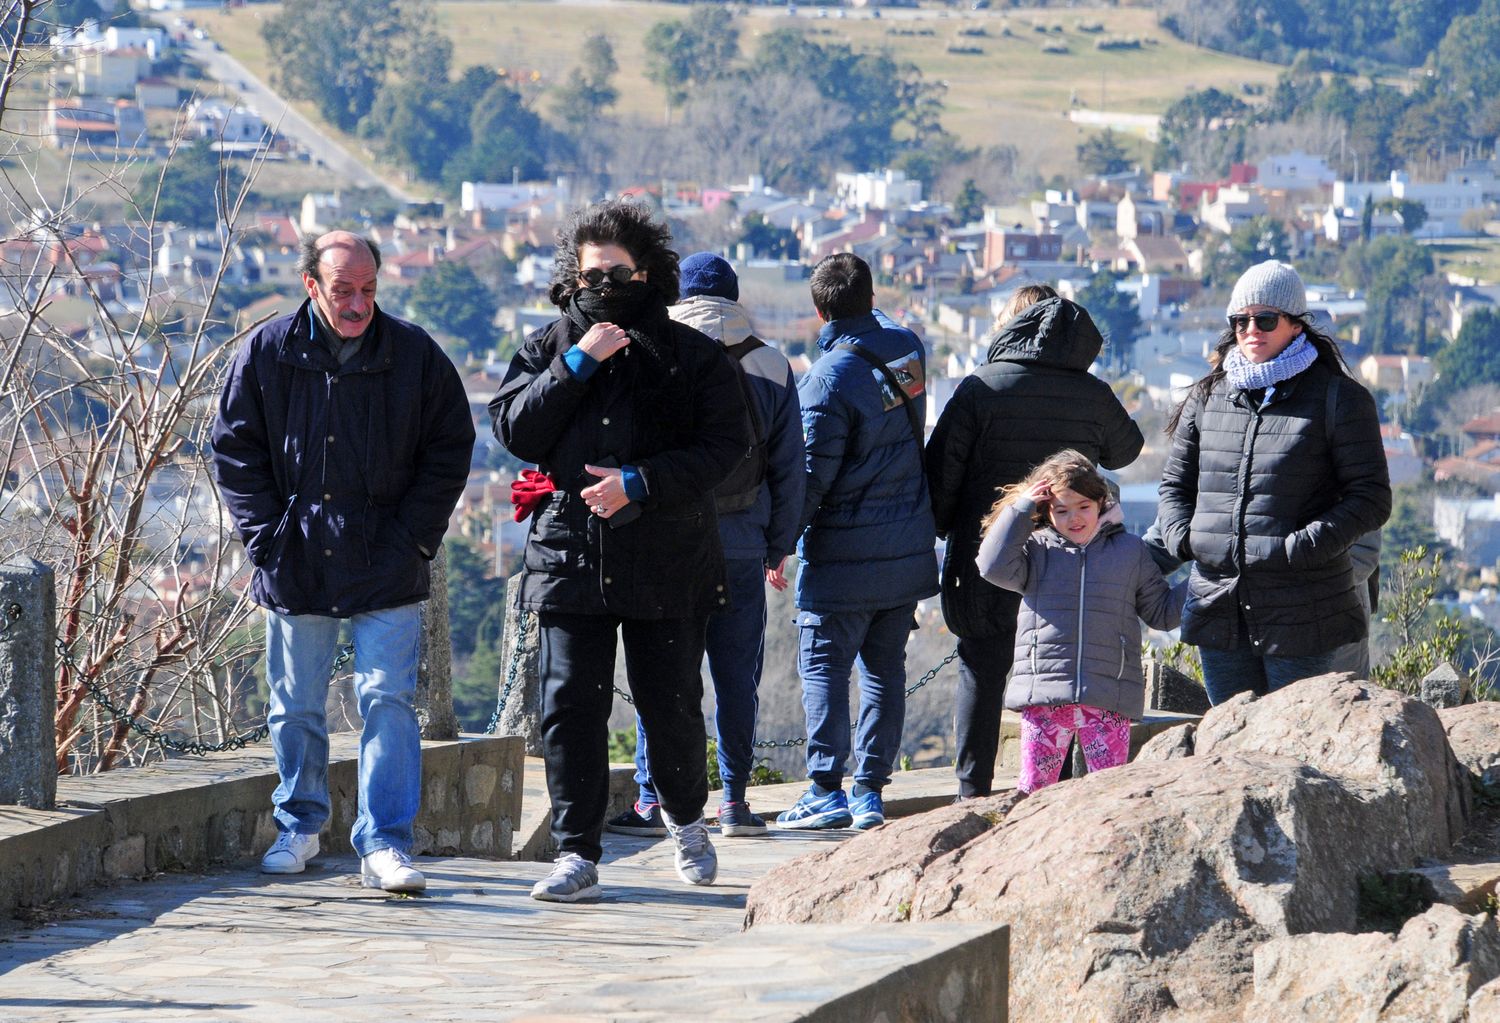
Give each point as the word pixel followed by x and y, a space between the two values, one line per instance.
pixel 867 544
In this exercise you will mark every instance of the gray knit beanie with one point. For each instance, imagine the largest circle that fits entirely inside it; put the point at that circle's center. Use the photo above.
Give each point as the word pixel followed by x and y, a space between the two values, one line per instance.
pixel 1270 284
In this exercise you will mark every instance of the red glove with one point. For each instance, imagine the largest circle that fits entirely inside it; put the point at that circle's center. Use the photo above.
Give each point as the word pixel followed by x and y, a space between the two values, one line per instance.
pixel 529 491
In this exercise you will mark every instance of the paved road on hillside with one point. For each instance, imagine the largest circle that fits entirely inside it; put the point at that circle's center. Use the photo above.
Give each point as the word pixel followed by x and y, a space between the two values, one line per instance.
pixel 270 105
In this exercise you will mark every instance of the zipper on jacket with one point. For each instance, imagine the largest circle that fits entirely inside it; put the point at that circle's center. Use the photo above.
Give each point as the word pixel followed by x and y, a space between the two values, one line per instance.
pixel 1033 662
pixel 1083 574
pixel 1242 485
pixel 1121 673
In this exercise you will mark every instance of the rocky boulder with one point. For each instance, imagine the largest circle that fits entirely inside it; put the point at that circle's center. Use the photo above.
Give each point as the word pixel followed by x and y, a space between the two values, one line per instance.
pixel 1381 745
pixel 1171 744
pixel 1145 889
pixel 1428 972
pixel 1129 892
pixel 1474 734
pixel 871 880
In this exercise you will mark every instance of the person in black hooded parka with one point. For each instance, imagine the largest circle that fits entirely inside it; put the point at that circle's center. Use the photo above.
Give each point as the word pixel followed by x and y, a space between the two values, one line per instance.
pixel 1033 398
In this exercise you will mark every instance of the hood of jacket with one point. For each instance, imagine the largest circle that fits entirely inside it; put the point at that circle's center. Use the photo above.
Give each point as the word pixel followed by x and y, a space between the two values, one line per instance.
pixel 722 319
pixel 1054 332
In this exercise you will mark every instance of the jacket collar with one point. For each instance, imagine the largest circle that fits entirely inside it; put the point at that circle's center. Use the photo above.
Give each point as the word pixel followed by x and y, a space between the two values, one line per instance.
pixel 301 349
pixel 850 327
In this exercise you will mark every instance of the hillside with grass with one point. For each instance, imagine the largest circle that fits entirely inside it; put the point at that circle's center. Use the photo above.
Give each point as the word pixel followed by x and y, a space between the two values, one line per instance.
pixel 1011 77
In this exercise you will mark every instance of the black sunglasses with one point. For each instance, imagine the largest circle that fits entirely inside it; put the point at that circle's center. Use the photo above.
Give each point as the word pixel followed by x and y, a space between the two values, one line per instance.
pixel 619 274
pixel 1239 322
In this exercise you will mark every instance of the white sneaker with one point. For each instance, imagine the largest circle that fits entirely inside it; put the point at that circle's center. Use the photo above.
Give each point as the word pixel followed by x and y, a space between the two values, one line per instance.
pixel 289 853
pixel 697 863
pixel 390 870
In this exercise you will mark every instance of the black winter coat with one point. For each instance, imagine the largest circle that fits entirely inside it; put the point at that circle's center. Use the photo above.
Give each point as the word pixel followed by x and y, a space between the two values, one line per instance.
pixel 337 475
pixel 1033 398
pixel 1266 502
pixel 683 428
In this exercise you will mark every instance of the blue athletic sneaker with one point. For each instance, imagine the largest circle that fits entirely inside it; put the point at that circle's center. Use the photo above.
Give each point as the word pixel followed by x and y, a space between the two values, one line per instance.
pixel 868 810
pixel 815 812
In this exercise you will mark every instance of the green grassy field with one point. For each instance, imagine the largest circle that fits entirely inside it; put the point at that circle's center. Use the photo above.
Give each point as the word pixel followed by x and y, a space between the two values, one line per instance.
pixel 1010 93
pixel 1478 258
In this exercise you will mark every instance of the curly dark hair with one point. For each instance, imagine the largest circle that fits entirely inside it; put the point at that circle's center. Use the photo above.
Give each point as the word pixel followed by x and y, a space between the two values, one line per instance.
pixel 1326 347
pixel 621 222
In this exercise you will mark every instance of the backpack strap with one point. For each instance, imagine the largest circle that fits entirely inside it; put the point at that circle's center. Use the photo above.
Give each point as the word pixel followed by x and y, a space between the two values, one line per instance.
pixel 890 378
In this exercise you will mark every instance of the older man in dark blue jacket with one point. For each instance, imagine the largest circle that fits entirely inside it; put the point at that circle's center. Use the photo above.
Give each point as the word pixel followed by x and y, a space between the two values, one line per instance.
pixel 342 444
pixel 867 549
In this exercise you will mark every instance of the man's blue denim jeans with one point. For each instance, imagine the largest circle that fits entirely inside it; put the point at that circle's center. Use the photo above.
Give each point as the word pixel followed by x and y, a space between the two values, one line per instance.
pixel 300 650
pixel 829 644
pixel 1227 673
pixel 735 645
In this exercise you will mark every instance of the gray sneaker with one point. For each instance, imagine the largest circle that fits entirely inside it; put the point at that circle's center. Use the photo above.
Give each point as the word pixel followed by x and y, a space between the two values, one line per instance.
pixel 573 879
pixel 697 863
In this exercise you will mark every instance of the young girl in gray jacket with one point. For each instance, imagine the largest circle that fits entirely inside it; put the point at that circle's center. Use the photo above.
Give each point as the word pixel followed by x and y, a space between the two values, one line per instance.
pixel 1056 538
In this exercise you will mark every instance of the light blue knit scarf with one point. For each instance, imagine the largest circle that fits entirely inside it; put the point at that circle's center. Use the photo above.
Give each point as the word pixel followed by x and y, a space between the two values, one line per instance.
pixel 1245 375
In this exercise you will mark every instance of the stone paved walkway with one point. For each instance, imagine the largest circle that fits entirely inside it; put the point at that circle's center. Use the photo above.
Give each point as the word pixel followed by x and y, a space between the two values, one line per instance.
pixel 240 946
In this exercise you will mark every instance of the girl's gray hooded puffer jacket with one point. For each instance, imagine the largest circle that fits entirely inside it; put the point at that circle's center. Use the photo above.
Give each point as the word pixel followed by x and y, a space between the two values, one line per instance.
pixel 1078 638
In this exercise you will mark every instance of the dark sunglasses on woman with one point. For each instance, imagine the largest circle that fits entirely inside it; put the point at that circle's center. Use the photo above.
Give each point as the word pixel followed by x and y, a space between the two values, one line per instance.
pixel 619 275
pixel 1240 322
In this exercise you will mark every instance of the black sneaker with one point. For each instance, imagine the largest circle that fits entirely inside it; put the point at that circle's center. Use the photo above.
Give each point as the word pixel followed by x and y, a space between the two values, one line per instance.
pixel 640 819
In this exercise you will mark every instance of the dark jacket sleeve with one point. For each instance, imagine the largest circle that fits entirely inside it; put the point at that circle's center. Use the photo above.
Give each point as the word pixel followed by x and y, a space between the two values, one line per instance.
pixel 722 436
pixel 786 473
pixel 1178 494
pixel 537 399
pixel 1363 480
pixel 242 458
pixel 444 454
pixel 1123 439
pixel 948 452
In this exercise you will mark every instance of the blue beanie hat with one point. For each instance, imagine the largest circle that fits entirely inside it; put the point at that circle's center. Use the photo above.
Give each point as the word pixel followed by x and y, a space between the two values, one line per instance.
pixel 704 273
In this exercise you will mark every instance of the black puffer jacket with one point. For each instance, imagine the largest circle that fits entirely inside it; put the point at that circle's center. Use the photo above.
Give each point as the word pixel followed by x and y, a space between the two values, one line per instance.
pixel 1266 502
pixel 1033 398
pixel 683 426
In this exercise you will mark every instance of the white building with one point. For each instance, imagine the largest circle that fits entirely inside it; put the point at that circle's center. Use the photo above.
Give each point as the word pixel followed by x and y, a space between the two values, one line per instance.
pixel 882 190
pixel 1446 201
pixel 1295 172
pixel 1232 206
pixel 1471 527
pixel 487 195
pixel 224 122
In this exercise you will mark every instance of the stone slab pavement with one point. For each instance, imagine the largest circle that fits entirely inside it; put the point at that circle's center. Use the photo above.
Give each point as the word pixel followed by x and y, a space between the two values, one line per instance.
pixel 236 945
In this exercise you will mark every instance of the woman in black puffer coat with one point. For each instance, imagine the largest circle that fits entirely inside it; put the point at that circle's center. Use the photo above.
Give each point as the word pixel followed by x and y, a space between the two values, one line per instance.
pixel 1277 468
pixel 1033 398
pixel 635 419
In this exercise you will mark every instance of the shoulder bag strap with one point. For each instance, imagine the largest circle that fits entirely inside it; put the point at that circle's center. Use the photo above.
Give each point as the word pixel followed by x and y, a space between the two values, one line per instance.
pixel 890 378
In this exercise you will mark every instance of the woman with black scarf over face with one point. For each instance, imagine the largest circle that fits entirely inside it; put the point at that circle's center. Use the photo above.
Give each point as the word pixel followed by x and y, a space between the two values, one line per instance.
pixel 635 419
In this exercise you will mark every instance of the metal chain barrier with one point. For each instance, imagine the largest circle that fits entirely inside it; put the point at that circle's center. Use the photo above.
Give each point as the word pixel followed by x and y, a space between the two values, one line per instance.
pixel 13 612
pixel 512 670
pixel 793 743
pixel 162 739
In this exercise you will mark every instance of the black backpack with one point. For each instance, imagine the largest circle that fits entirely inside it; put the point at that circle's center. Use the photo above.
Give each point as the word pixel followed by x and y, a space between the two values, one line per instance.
pixel 740 487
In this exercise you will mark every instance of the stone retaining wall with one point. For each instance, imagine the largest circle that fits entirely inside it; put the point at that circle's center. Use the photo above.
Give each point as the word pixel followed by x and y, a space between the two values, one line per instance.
pixel 190 813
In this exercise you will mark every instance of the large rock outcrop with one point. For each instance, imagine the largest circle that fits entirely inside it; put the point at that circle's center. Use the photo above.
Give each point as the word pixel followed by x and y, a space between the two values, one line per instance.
pixel 1474 734
pixel 1147 888
pixel 1381 745
pixel 1428 972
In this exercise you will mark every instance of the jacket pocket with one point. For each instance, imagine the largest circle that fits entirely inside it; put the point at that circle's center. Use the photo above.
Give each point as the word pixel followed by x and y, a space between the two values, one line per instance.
pixel 556 546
